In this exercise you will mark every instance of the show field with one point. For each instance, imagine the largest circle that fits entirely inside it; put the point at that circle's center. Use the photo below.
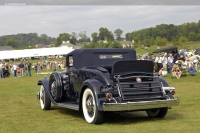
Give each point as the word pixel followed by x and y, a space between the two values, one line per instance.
pixel 21 113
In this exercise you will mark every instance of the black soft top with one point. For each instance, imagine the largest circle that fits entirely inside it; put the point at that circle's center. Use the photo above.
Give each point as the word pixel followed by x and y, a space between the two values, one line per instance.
pixel 94 56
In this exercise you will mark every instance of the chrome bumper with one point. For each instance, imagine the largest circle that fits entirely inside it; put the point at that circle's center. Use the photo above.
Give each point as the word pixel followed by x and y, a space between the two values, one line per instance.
pixel 131 106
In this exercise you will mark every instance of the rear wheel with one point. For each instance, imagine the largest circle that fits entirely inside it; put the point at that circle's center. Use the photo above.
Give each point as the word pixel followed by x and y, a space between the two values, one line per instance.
pixel 90 110
pixel 159 113
pixel 44 99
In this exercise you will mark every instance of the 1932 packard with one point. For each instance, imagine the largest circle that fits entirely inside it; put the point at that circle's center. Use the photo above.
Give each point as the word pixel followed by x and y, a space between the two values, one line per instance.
pixel 97 81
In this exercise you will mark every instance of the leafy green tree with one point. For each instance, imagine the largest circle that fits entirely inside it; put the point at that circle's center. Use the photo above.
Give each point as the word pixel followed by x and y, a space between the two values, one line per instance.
pixel 94 36
pixel 11 42
pixel 105 34
pixel 161 41
pixel 118 32
pixel 73 38
pixel 64 36
pixel 129 36
pixel 74 35
pixel 44 39
pixel 176 43
pixel 191 36
pixel 136 40
pixel 58 42
pixel 198 37
pixel 145 42
pixel 152 41
pixel 83 37
pixel 182 40
pixel 115 44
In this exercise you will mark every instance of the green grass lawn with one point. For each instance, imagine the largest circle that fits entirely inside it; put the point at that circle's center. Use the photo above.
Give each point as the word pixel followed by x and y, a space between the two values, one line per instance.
pixel 20 112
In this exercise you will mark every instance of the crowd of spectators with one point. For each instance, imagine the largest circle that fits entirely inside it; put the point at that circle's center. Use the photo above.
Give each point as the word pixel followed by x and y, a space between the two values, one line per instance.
pixel 25 68
pixel 178 64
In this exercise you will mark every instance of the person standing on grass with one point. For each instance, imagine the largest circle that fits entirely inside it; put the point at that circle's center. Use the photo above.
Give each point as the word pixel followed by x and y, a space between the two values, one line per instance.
pixel 158 61
pixel 21 67
pixel 15 70
pixel 35 67
pixel 170 62
pixel 38 68
pixel 29 69
pixel 48 67
pixel 1 70
pixel 26 68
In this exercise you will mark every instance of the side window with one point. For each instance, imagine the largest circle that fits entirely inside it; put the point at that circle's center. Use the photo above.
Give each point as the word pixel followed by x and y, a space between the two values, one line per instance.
pixel 70 61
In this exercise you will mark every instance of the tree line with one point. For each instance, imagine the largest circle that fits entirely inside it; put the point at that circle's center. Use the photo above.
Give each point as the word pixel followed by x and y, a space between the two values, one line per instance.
pixel 159 35
pixel 23 40
pixel 165 33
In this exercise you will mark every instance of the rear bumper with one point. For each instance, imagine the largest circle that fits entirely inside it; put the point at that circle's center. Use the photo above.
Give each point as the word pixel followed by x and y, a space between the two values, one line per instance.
pixel 131 106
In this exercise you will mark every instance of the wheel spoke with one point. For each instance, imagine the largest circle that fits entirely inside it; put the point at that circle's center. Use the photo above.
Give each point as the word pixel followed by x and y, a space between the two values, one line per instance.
pixel 90 106
pixel 53 89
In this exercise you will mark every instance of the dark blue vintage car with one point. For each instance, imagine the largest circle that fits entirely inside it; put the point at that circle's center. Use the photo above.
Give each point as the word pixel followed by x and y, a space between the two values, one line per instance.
pixel 104 80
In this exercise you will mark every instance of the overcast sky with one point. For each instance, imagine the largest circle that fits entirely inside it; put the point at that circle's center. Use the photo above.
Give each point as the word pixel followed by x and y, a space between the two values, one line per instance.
pixel 53 20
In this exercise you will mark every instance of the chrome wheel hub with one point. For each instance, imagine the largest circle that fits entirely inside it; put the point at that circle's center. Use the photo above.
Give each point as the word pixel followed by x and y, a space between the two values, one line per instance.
pixel 90 106
pixel 53 89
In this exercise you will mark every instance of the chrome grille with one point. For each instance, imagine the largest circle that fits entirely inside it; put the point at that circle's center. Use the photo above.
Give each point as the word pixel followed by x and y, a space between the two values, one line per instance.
pixel 147 90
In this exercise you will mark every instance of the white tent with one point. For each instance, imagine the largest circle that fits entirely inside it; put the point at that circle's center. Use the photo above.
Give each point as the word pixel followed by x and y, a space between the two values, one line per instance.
pixel 34 52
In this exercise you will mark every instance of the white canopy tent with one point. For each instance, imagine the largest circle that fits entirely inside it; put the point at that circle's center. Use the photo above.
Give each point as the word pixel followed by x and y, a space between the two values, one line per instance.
pixel 34 52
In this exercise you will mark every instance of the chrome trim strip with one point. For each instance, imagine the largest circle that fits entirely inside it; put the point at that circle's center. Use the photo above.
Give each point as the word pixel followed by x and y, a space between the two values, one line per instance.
pixel 164 93
pixel 126 77
pixel 119 90
pixel 168 88
pixel 131 106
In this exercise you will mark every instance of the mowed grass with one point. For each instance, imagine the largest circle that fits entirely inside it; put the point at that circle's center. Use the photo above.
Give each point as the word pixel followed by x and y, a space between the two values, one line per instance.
pixel 20 112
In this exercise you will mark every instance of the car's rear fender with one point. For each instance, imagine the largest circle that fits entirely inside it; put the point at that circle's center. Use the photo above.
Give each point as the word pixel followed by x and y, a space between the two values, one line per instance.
pixel 95 86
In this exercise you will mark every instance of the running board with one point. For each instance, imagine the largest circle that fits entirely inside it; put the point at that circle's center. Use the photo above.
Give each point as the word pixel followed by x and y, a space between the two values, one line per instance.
pixel 45 83
pixel 67 105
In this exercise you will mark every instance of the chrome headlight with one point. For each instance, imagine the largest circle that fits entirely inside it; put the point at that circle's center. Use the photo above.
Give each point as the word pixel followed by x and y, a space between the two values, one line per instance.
pixel 169 89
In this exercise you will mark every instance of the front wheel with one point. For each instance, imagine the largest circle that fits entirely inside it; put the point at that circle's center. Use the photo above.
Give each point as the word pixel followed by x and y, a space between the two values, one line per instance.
pixel 45 102
pixel 90 110
pixel 159 113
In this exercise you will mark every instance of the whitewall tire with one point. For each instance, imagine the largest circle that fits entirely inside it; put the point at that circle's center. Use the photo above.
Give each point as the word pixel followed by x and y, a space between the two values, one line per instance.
pixel 45 102
pixel 90 110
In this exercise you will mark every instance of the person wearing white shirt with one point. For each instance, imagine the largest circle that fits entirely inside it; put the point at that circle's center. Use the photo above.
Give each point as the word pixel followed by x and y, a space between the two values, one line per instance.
pixel 15 70
pixel 158 61
pixel 165 60
pixel 170 62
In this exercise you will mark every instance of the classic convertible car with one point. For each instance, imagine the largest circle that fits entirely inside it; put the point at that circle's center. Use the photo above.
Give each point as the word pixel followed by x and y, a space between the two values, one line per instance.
pixel 97 81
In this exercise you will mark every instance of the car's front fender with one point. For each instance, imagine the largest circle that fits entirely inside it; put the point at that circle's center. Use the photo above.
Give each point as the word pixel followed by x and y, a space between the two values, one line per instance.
pixel 164 83
pixel 45 83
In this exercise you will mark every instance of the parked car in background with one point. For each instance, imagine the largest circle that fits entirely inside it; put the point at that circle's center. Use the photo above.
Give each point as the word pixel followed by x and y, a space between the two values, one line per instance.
pixel 107 80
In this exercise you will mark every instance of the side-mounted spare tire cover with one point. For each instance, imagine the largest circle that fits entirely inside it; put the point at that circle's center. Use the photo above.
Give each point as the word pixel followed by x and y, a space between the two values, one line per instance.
pixel 55 86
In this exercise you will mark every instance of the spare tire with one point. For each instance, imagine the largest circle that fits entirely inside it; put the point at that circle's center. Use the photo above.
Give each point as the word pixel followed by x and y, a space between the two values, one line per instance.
pixel 55 86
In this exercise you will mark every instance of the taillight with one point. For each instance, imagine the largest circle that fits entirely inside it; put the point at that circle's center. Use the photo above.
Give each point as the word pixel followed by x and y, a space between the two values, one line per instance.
pixel 109 96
